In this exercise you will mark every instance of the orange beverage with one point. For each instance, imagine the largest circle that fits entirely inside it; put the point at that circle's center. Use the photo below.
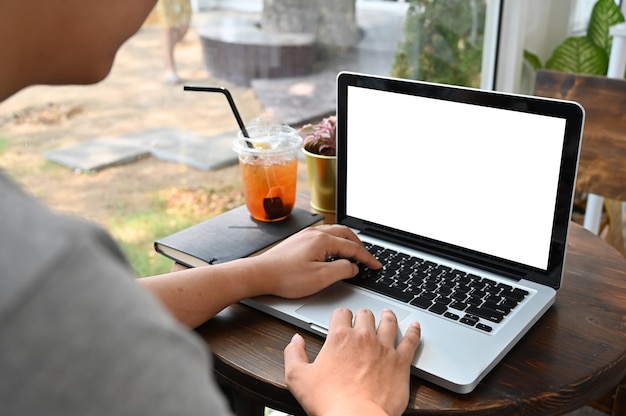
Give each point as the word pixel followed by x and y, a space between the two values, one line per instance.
pixel 269 189
pixel 269 166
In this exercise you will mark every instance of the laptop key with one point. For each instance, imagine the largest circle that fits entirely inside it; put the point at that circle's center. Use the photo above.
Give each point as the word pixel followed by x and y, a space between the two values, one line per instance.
pixel 438 308
pixel 421 302
pixel 458 295
pixel 444 300
pixel 444 290
pixel 516 294
pixel 399 294
pixel 452 316
pixel 447 283
pixel 485 313
pixel 472 300
pixel 442 270
pixel 386 280
pixel 484 327
pixel 412 261
pixel 469 320
pixel 504 310
pixel 460 306
pixel 519 294
pixel 428 295
pixel 510 303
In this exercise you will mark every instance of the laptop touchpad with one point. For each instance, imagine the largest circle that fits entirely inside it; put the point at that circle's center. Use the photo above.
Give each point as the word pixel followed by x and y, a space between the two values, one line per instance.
pixel 320 307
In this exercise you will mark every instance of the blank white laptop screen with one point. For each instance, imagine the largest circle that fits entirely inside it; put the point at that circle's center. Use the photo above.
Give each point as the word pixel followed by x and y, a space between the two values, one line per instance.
pixel 457 167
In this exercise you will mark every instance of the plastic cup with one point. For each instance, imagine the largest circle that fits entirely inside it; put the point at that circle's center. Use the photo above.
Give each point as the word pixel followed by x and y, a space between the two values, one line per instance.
pixel 269 166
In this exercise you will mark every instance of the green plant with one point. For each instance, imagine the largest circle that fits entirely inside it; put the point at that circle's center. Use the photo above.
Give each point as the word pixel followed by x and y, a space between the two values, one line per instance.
pixel 587 54
pixel 320 138
pixel 442 42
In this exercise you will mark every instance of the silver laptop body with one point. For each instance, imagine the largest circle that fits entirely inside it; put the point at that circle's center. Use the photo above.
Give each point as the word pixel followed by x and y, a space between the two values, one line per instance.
pixel 477 182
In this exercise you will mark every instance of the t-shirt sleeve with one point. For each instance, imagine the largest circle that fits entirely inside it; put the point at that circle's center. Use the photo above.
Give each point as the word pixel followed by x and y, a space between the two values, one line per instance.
pixel 85 339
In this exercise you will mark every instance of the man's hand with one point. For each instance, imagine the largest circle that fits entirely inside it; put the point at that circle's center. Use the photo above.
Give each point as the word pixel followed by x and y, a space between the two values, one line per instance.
pixel 358 371
pixel 298 266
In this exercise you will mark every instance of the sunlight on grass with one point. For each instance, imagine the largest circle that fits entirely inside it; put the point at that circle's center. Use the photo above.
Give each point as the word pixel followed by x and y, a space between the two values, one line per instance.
pixel 172 209
pixel 4 143
pixel 137 233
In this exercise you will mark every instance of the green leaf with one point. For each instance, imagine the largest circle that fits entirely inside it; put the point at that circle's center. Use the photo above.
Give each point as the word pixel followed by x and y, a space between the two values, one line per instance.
pixel 579 55
pixel 533 60
pixel 604 15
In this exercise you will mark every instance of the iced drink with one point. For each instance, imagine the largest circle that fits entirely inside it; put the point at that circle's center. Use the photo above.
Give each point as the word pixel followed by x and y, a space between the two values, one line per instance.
pixel 269 167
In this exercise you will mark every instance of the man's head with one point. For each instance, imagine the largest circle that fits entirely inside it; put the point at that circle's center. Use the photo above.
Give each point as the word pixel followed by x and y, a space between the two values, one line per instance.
pixel 63 41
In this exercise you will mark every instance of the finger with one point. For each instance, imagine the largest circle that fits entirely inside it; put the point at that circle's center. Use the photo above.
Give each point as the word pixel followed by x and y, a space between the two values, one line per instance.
pixel 388 327
pixel 340 317
pixel 348 245
pixel 409 343
pixel 365 257
pixel 365 319
pixel 295 353
pixel 343 248
pixel 341 231
pixel 340 269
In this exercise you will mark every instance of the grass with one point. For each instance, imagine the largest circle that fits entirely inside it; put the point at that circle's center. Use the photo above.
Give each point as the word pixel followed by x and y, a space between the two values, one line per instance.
pixel 136 235
pixel 181 207
pixel 135 226
pixel 4 143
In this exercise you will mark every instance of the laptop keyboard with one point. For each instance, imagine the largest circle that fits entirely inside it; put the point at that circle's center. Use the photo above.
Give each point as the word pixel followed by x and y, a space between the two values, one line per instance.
pixel 456 295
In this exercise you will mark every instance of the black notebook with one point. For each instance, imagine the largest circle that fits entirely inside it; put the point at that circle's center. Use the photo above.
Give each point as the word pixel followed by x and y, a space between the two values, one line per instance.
pixel 231 235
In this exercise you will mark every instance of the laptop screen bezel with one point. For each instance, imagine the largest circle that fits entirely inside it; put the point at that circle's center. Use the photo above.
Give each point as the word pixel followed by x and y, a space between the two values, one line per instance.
pixel 572 112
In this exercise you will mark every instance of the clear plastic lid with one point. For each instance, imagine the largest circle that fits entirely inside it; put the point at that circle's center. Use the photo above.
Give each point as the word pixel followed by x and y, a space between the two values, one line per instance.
pixel 266 137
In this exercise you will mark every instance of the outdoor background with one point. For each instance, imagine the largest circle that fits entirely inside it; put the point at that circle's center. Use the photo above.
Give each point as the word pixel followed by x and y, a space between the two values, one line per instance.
pixel 145 199
pixel 149 198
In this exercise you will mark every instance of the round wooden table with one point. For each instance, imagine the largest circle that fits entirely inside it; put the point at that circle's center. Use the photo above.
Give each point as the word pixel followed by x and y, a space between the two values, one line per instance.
pixel 575 353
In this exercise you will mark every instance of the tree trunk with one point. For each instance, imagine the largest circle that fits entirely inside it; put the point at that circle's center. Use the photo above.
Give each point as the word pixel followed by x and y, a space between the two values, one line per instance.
pixel 337 23
pixel 289 16
pixel 332 21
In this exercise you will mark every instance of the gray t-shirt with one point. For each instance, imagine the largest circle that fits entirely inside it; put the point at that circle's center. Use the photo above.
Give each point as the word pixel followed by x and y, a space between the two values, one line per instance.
pixel 78 335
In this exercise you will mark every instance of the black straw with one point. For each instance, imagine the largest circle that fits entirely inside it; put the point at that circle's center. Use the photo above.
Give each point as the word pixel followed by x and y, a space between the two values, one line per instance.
pixel 233 107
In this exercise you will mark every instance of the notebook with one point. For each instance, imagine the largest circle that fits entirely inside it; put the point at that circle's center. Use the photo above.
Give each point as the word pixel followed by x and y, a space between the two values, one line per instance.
pixel 471 193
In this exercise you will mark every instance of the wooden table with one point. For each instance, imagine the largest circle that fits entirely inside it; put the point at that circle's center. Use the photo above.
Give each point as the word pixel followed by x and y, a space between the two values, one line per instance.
pixel 574 355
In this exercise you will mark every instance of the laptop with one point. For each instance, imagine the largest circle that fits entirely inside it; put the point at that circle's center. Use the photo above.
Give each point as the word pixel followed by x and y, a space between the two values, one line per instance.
pixel 466 196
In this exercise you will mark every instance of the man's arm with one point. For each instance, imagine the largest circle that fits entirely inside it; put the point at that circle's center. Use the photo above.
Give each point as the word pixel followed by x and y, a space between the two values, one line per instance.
pixel 193 296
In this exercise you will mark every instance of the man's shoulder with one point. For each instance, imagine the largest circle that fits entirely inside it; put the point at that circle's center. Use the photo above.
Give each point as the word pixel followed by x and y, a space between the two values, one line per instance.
pixel 35 239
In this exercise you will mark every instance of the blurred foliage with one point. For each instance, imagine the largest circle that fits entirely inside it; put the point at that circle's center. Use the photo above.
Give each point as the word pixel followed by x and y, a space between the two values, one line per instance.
pixel 443 41
pixel 587 54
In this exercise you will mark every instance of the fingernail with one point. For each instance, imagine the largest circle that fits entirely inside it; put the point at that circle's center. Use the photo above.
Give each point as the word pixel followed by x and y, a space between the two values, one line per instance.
pixel 416 325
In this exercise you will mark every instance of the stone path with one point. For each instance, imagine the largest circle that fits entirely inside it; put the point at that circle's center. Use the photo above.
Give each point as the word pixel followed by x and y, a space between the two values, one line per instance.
pixel 168 144
pixel 293 101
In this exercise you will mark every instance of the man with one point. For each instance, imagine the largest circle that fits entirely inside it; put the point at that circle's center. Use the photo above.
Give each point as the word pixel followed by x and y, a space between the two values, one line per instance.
pixel 81 336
